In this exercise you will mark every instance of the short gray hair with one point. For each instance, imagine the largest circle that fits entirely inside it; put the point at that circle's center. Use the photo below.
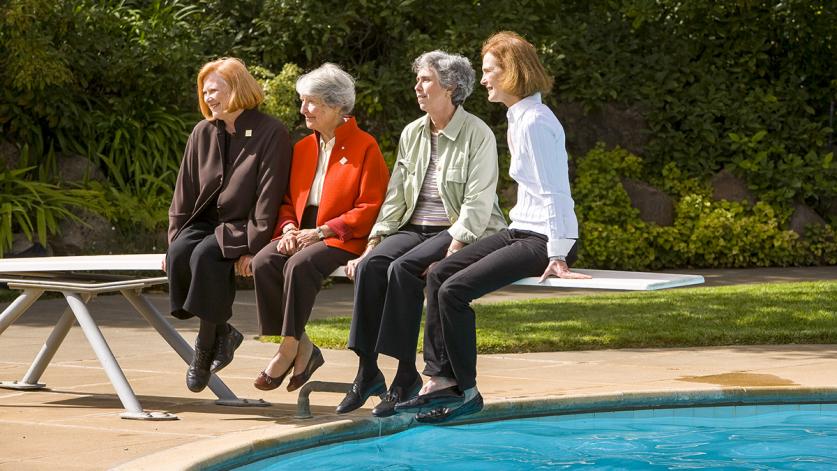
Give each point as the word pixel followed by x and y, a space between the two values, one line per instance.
pixel 455 73
pixel 331 84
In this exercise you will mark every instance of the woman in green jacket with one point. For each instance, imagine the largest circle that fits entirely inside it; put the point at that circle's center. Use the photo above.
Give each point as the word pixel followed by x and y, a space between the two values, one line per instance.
pixel 441 197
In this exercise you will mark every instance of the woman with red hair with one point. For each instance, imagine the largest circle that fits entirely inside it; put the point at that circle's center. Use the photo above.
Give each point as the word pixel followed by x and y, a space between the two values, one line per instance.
pixel 541 240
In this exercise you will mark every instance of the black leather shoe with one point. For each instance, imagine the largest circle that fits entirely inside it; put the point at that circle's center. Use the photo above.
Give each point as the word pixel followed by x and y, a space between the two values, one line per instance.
pixel 439 398
pixel 443 414
pixel 314 362
pixel 225 346
pixel 360 392
pixel 197 375
pixel 395 395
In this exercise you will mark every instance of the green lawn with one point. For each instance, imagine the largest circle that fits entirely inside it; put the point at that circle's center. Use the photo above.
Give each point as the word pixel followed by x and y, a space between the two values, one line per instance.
pixel 778 313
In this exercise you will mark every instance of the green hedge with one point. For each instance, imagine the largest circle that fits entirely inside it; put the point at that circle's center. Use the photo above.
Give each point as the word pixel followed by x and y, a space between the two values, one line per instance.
pixel 705 233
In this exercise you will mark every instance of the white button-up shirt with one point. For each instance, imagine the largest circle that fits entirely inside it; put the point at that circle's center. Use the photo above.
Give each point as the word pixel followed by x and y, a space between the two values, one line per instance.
pixel 539 166
pixel 322 165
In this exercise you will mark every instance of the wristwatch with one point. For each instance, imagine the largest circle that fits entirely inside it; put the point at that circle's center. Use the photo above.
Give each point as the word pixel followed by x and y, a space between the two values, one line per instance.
pixel 560 258
pixel 320 233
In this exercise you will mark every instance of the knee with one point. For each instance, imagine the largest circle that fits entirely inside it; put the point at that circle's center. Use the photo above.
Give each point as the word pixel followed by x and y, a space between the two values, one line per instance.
pixel 205 253
pixel 178 252
pixel 370 266
pixel 450 294
pixel 261 261
pixel 298 265
pixel 397 267
pixel 437 275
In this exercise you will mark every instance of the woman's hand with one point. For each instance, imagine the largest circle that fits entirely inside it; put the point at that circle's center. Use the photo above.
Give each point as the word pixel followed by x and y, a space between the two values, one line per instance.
pixel 351 265
pixel 163 265
pixel 455 246
pixel 243 266
pixel 288 245
pixel 306 237
pixel 561 270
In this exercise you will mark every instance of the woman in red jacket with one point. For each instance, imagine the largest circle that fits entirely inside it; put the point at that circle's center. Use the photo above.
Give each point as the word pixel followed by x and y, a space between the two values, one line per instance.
pixel 337 185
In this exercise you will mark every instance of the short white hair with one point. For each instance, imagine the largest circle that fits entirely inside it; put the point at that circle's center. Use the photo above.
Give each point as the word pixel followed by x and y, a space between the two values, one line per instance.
pixel 331 84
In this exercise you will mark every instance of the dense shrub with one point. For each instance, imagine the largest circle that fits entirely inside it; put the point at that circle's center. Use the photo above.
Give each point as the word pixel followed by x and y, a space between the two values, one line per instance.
pixel 705 233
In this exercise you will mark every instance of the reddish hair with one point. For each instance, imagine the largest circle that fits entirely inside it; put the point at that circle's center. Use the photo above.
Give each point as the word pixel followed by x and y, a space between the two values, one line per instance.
pixel 245 92
pixel 523 72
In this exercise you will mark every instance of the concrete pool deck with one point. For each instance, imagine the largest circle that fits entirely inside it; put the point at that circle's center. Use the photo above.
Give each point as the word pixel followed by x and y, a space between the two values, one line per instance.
pixel 75 424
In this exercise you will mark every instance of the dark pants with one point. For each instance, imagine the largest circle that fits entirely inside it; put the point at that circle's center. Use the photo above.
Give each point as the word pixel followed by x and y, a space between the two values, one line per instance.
pixel 389 291
pixel 201 280
pixel 475 271
pixel 286 287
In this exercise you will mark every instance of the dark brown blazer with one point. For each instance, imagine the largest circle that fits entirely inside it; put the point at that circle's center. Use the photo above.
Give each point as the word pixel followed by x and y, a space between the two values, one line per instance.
pixel 249 190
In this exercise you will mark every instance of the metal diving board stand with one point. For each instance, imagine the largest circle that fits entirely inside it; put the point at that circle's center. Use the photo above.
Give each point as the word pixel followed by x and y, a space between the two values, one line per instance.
pixel 35 276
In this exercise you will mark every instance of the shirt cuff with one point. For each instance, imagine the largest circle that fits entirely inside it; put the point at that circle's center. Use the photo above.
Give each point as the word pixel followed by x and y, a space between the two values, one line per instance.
pixel 559 247
pixel 343 231
pixel 382 230
pixel 460 233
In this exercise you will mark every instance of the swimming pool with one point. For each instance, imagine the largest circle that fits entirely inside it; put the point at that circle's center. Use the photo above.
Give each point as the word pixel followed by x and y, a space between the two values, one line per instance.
pixel 801 436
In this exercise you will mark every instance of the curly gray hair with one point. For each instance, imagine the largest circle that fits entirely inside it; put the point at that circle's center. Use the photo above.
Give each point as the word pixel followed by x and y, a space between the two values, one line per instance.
pixel 331 84
pixel 455 73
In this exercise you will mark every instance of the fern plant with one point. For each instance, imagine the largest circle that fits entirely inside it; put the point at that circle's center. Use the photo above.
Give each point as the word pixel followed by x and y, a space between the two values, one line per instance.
pixel 36 207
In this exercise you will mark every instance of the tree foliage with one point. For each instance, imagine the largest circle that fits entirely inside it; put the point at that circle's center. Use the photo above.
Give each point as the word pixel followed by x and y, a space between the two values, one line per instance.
pixel 738 84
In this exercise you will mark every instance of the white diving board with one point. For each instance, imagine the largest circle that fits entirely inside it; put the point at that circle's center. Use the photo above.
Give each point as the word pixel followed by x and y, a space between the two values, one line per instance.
pixel 601 279
pixel 605 279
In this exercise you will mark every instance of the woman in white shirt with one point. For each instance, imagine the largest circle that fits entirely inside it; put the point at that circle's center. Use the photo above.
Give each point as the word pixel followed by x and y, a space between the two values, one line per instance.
pixel 541 240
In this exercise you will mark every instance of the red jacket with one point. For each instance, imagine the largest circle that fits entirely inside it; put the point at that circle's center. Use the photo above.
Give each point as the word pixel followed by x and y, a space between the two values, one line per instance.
pixel 353 189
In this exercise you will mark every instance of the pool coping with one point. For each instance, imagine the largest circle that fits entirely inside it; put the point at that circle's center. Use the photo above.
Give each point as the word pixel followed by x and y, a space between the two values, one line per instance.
pixel 231 449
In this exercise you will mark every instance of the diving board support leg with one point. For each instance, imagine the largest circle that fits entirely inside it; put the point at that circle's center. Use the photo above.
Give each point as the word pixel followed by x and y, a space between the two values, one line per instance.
pixel 48 350
pixel 12 313
pixel 133 409
pixel 18 307
pixel 147 310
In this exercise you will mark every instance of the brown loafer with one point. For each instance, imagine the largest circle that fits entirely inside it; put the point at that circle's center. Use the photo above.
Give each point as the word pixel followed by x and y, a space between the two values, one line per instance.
pixel 314 362
pixel 265 382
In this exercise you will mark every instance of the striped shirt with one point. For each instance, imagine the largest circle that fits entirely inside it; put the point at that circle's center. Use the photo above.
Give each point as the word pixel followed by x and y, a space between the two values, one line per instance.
pixel 429 208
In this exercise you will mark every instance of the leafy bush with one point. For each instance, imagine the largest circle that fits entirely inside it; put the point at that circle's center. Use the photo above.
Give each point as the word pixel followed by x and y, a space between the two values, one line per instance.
pixel 280 94
pixel 705 233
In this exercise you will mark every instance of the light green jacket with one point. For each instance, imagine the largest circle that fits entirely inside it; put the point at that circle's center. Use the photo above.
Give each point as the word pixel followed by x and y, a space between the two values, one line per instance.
pixel 468 172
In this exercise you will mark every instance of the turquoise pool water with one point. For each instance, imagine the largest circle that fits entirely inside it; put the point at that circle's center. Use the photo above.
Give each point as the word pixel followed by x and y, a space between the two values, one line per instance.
pixel 745 437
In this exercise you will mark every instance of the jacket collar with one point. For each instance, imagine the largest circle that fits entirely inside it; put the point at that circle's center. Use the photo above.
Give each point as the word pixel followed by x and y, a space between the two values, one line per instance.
pixel 342 132
pixel 247 120
pixel 451 131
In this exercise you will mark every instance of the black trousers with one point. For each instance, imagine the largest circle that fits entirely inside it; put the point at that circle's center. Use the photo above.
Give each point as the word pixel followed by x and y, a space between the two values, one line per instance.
pixel 389 291
pixel 201 280
pixel 475 271
pixel 286 287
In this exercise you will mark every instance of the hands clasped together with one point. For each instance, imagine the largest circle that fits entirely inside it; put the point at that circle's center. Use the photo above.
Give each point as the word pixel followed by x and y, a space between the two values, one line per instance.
pixel 294 240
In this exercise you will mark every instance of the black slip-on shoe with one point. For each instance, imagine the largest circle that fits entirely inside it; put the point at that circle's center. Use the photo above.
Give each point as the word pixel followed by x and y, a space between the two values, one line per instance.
pixel 444 414
pixel 395 395
pixel 225 347
pixel 440 398
pixel 360 392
